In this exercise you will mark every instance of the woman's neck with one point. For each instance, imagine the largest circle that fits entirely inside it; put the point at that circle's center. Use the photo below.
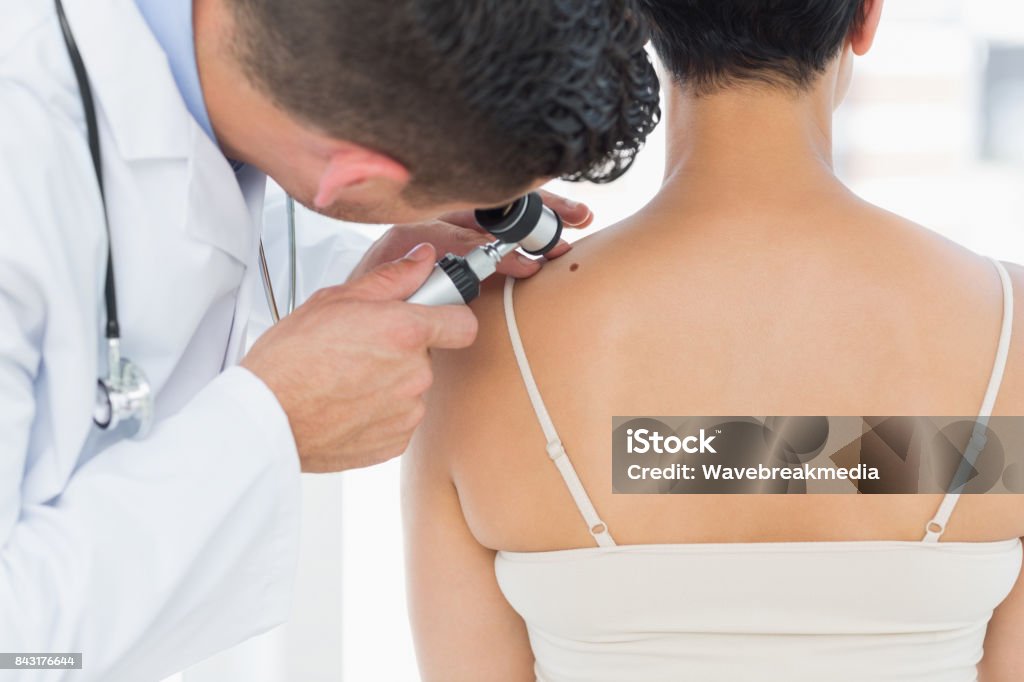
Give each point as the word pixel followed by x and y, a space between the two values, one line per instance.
pixel 754 140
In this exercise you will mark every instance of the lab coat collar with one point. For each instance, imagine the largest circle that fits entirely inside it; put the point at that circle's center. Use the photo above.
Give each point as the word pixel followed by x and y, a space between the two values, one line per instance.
pixel 131 79
pixel 223 210
pixel 135 91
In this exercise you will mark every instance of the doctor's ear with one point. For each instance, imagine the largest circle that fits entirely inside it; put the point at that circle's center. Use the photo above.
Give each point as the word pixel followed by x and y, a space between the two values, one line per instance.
pixel 350 167
pixel 863 36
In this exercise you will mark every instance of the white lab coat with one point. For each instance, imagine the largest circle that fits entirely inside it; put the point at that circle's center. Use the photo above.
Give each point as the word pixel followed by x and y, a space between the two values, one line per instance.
pixel 145 555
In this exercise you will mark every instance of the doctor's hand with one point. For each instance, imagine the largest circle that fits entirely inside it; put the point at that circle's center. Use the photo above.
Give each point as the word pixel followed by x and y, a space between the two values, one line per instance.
pixel 459 233
pixel 350 366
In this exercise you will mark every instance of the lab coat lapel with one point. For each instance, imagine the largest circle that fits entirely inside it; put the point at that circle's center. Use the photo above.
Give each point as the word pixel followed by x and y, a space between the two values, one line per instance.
pixel 254 187
pixel 228 219
pixel 132 82
pixel 218 212
pixel 156 125
pixel 148 121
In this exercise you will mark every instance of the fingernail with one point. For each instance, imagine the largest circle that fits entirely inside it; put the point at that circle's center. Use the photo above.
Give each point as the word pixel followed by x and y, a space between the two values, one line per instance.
pixel 580 222
pixel 419 252
pixel 572 205
pixel 526 260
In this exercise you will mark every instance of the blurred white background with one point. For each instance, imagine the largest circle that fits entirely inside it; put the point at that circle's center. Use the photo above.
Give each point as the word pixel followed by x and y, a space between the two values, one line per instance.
pixel 933 130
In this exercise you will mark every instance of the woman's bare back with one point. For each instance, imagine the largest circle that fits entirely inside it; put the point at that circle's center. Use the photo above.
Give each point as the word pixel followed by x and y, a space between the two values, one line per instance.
pixel 842 309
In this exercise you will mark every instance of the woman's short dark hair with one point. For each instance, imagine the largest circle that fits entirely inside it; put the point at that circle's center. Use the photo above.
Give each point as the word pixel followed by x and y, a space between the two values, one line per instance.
pixel 480 96
pixel 710 44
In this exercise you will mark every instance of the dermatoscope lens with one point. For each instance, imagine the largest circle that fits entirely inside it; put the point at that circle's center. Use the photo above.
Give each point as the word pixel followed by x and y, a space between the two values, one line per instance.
pixel 526 222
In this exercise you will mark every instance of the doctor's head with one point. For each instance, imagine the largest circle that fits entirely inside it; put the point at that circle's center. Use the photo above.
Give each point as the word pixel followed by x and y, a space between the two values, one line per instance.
pixel 397 111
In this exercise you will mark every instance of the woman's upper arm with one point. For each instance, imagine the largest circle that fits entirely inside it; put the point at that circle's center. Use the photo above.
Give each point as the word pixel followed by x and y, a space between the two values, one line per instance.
pixel 463 627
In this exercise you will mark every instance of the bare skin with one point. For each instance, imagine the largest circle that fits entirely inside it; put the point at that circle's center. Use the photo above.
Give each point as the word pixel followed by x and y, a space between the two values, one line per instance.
pixel 755 283
pixel 350 367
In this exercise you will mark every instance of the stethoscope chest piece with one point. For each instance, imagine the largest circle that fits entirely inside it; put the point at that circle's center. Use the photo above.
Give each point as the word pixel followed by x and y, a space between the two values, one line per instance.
pixel 124 396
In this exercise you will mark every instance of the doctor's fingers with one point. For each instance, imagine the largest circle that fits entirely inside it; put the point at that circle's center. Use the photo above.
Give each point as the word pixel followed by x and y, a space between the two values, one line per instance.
pixel 380 326
pixel 449 327
pixel 459 240
pixel 389 437
pixel 454 238
pixel 372 456
pixel 521 266
pixel 573 213
pixel 376 444
pixel 395 280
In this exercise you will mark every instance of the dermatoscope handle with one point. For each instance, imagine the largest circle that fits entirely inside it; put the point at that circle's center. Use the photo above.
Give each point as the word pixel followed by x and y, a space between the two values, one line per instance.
pixel 456 279
pixel 525 223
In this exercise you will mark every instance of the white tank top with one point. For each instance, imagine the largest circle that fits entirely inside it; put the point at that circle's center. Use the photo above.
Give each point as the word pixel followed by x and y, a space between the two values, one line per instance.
pixel 787 611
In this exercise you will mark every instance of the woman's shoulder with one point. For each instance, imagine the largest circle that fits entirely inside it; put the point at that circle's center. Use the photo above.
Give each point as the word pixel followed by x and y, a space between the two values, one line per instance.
pixel 1011 397
pixel 684 285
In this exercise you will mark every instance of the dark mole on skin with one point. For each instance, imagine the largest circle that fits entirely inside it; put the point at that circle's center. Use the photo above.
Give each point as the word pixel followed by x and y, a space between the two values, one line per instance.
pixel 574 267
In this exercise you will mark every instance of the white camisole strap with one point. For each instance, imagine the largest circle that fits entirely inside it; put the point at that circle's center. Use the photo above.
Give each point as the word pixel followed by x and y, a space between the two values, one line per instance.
pixel 937 525
pixel 556 451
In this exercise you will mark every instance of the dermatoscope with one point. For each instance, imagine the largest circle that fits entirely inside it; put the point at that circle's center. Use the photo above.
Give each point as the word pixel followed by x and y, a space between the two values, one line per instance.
pixel 525 223
pixel 124 395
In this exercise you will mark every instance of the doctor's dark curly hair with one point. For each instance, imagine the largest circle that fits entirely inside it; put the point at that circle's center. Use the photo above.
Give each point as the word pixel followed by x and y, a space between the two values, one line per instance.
pixel 473 96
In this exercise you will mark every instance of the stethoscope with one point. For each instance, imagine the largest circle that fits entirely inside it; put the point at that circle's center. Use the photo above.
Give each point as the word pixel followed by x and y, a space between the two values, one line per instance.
pixel 125 396
pixel 268 288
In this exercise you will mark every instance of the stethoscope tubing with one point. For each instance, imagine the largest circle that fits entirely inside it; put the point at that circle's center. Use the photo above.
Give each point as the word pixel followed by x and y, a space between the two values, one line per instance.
pixel 268 286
